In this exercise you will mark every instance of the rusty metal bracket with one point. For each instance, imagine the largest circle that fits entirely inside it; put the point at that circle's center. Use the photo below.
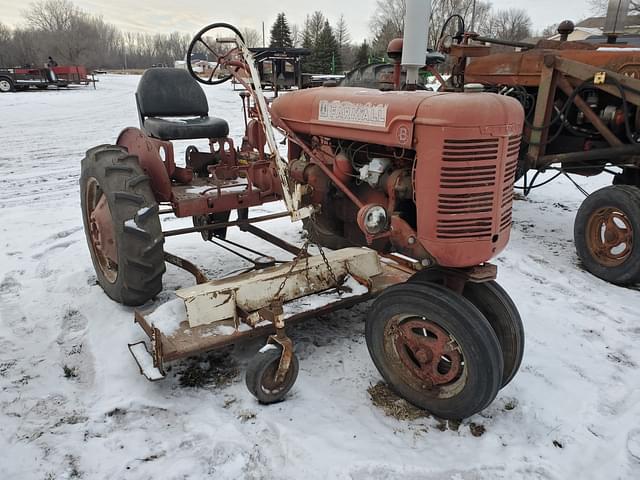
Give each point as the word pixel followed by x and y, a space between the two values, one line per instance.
pixel 186 265
pixel 275 315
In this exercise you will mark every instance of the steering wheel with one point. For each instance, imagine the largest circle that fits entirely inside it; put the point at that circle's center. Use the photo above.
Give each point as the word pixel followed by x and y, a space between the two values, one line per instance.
pixel 199 39
pixel 446 40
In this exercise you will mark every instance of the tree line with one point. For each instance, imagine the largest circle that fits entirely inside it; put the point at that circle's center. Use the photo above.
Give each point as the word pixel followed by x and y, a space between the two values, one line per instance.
pixel 60 29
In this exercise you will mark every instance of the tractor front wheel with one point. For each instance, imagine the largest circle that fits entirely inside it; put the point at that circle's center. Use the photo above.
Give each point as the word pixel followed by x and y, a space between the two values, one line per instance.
pixel 607 234
pixel 435 349
pixel 499 310
pixel 122 225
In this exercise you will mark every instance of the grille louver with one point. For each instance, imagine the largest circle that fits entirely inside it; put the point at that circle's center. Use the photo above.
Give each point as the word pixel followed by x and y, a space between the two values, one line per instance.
pixel 475 166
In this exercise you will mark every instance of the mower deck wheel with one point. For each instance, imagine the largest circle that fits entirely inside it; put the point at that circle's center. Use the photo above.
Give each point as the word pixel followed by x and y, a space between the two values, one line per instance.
pixel 435 349
pixel 607 234
pixel 261 376
pixel 122 225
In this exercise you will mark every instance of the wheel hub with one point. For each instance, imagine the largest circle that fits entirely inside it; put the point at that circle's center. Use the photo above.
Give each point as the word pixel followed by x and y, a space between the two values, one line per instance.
pixel 101 230
pixel 610 236
pixel 429 352
pixel 102 234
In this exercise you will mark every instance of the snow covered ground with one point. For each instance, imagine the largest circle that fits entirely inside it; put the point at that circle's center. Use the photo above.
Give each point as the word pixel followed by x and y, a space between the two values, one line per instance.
pixel 73 405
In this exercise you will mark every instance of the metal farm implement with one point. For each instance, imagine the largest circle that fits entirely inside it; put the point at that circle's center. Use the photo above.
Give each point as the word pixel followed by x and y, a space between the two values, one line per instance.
pixel 411 212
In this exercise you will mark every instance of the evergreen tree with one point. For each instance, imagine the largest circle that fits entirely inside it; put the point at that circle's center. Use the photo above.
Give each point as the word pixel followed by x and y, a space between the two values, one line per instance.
pixel 327 52
pixel 281 33
pixel 362 56
pixel 312 27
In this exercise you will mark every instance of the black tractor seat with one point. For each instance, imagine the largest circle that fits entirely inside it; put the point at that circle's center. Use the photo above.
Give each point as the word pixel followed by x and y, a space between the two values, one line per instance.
pixel 187 128
pixel 173 106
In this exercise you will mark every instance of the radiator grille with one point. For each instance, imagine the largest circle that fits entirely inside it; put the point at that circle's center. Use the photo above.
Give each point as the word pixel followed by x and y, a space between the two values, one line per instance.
pixel 509 177
pixel 474 174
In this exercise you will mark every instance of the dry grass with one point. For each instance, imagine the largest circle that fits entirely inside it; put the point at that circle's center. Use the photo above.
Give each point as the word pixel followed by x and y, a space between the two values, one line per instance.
pixel 394 406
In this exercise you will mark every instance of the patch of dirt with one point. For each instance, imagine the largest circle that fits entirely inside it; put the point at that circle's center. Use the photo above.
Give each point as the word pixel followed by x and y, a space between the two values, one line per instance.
pixel 477 430
pixel 216 370
pixel 394 406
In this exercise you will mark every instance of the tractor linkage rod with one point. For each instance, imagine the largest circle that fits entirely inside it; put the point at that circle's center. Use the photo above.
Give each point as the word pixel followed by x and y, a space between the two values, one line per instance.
pixel 217 226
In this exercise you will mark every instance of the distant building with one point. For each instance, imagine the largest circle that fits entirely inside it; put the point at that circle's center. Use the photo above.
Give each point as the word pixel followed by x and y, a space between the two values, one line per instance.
pixel 632 24
pixel 580 33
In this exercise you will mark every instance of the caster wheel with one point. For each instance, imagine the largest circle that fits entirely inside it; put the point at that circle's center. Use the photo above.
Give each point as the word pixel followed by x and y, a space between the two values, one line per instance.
pixel 435 349
pixel 261 376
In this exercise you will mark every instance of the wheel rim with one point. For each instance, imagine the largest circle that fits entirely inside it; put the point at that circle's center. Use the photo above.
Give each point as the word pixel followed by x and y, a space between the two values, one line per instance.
pixel 425 355
pixel 5 86
pixel 102 237
pixel 610 236
pixel 268 383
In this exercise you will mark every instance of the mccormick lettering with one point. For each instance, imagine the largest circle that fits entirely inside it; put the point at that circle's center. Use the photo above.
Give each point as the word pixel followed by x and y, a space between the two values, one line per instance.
pixel 348 112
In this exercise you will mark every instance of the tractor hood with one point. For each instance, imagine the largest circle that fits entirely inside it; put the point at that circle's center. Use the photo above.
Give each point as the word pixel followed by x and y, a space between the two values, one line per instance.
pixel 385 118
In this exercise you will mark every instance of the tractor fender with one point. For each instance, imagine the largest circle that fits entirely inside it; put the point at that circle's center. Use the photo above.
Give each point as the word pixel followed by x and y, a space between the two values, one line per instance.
pixel 155 157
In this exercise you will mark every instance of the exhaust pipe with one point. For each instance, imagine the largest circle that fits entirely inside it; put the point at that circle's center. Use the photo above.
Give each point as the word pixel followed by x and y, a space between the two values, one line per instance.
pixel 416 35
pixel 616 19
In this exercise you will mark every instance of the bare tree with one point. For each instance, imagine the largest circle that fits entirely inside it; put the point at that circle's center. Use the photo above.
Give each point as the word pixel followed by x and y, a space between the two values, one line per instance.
pixel 388 16
pixel 512 24
pixel 296 35
pixel 52 15
pixel 600 6
pixel 252 37
pixel 549 30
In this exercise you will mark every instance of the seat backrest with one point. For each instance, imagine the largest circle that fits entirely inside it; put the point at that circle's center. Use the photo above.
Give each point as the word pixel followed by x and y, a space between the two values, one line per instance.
pixel 170 92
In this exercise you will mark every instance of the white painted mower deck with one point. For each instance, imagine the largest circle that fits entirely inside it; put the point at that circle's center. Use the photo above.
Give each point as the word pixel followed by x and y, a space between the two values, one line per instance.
pixel 222 312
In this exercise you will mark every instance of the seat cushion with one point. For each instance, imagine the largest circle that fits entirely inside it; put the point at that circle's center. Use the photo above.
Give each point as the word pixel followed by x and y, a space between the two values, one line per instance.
pixel 186 128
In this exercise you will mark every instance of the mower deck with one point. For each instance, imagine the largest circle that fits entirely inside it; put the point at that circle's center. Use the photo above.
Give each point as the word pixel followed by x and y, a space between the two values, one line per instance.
pixel 187 341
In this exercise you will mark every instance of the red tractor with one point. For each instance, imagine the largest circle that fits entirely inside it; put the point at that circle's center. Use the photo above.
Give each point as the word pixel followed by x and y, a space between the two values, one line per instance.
pixel 425 179
pixel 582 105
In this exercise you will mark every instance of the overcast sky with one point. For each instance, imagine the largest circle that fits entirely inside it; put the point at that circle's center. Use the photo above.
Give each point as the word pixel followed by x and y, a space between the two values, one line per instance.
pixel 190 15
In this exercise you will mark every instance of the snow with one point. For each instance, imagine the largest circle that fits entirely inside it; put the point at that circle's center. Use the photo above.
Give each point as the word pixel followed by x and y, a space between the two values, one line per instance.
pixel 579 385
pixel 350 288
pixel 131 223
pixel 168 316
pixel 145 360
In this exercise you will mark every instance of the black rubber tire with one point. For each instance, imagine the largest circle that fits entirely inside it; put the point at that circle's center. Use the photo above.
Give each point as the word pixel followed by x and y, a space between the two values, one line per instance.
pixel 464 322
pixel 6 80
pixel 264 364
pixel 503 316
pixel 625 198
pixel 501 313
pixel 140 249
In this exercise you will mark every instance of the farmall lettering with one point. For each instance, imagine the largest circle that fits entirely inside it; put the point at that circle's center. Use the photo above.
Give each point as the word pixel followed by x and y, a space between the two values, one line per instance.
pixel 337 111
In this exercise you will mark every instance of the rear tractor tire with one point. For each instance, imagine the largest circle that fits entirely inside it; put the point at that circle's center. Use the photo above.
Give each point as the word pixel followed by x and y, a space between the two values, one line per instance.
pixel 435 349
pixel 607 234
pixel 122 225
